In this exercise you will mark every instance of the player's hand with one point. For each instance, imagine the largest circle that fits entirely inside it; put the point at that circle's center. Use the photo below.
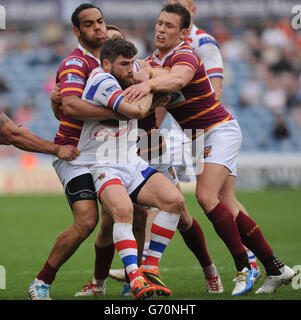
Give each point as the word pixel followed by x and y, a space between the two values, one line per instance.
pixel 4 141
pixel 55 101
pixel 55 95
pixel 67 152
pixel 141 76
pixel 137 91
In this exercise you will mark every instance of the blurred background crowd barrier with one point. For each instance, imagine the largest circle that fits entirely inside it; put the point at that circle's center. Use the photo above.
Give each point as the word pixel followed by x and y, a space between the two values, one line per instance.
pixel 261 50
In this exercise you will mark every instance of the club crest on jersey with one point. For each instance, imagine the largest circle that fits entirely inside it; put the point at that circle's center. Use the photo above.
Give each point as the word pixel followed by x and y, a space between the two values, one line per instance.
pixel 172 172
pixel 101 176
pixel 207 151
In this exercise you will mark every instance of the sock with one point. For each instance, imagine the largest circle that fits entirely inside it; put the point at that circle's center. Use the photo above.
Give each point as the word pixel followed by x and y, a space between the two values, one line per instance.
pixel 195 241
pixel 272 266
pixel 252 237
pixel 225 226
pixel 103 260
pixel 251 256
pixel 162 231
pixel 145 249
pixel 126 246
pixel 47 274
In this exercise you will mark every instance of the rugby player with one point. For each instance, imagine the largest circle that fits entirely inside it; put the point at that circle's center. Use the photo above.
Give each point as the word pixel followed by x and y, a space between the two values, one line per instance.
pixel 198 108
pixel 122 177
pixel 24 139
pixel 189 227
pixel 90 29
pixel 208 50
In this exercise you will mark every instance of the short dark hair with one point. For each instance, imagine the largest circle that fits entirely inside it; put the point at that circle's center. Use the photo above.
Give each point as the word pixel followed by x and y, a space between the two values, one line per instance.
pixel 74 18
pixel 115 28
pixel 181 11
pixel 115 47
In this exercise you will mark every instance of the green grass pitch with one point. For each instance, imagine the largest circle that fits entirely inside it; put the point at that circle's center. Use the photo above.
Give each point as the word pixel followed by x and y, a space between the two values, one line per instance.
pixel 29 226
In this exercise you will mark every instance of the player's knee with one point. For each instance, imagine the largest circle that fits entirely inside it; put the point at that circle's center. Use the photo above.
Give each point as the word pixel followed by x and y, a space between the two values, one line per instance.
pixel 226 196
pixel 122 213
pixel 206 200
pixel 185 222
pixel 86 227
pixel 175 203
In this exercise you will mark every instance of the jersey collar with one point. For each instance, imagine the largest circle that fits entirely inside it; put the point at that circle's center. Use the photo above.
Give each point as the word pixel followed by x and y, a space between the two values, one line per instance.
pixel 85 51
pixel 161 62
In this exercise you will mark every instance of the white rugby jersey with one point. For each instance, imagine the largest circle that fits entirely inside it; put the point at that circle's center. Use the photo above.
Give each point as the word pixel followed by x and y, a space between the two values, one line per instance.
pixel 106 142
pixel 208 50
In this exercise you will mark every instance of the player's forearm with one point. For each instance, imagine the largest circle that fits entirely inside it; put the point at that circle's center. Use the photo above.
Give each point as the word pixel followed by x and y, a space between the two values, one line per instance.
pixel 24 139
pixel 137 109
pixel 78 109
pixel 217 85
pixel 167 83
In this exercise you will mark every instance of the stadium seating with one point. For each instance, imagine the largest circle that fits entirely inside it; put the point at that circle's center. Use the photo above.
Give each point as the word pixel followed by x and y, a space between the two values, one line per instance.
pixel 26 79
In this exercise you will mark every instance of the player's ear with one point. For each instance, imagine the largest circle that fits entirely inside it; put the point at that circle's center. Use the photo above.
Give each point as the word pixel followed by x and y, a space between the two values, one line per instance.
pixel 184 33
pixel 76 31
pixel 106 65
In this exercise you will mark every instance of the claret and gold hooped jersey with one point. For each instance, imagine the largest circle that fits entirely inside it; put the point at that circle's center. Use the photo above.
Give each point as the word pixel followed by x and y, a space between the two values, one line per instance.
pixel 72 76
pixel 195 106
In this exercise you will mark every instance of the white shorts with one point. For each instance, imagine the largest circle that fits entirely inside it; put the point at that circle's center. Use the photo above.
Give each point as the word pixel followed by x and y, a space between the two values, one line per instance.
pixel 168 171
pixel 66 172
pixel 179 149
pixel 131 176
pixel 222 144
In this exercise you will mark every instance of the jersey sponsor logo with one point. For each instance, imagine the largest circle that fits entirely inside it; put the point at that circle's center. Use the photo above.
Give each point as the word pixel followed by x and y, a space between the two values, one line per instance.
pixel 75 62
pixel 72 78
pixel 98 132
pixel 109 91
pixel 207 151
pixel 184 50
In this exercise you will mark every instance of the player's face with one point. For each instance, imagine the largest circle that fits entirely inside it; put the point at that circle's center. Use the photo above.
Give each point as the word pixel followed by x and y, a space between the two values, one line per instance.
pixel 167 32
pixel 122 70
pixel 92 31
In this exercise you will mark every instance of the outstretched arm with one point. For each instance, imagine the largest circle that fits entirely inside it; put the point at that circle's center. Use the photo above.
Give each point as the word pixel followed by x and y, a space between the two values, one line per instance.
pixel 24 139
